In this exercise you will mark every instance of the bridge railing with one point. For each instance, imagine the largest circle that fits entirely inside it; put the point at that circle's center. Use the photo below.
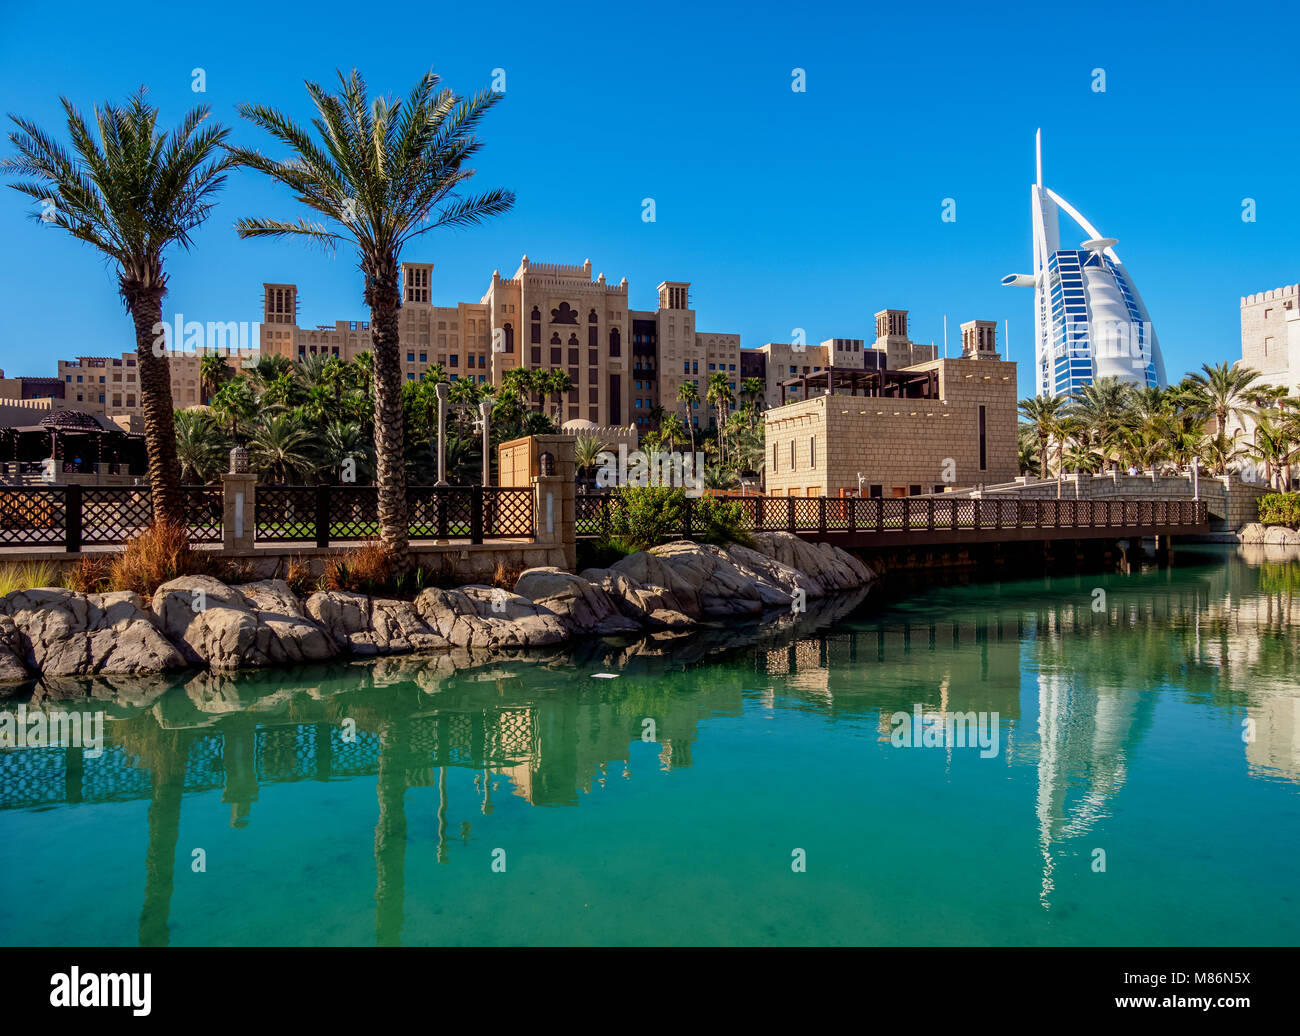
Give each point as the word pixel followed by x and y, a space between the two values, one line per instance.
pixel 856 515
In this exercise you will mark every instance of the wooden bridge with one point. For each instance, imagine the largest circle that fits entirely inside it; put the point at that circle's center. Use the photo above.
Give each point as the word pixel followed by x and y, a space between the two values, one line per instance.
pixel 935 521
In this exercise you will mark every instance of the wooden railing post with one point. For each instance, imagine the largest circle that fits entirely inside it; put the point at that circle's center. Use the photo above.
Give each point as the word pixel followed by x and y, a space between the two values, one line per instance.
pixel 880 514
pixel 476 513
pixel 929 514
pixel 821 515
pixel 686 520
pixel 72 517
pixel 440 496
pixel 789 513
pixel 322 516
pixel 977 514
pixel 853 514
pixel 758 512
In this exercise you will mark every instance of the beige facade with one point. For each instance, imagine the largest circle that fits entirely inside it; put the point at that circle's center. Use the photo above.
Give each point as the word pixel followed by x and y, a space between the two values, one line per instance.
pixel 932 426
pixel 622 362
pixel 109 386
pixel 1270 335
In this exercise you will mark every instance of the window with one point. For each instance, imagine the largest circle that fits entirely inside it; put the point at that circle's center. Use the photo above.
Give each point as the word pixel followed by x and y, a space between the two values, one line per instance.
pixel 812 450
pixel 410 377
pixel 792 464
pixel 410 357
pixel 455 360
pixel 615 342
pixel 424 357
pixel 510 338
pixel 573 357
pixel 983 439
pixel 876 492
pixel 555 357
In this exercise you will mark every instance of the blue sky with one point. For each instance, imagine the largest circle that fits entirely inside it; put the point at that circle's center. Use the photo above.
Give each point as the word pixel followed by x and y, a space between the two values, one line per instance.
pixel 782 209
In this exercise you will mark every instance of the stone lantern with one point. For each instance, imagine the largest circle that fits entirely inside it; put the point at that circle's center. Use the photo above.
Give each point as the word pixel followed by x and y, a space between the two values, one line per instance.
pixel 239 461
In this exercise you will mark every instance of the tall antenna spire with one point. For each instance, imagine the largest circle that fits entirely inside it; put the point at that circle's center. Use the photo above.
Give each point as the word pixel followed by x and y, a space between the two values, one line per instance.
pixel 1038 154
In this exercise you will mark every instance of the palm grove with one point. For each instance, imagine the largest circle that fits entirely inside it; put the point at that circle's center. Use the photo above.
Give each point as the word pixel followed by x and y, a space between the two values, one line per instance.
pixel 1112 425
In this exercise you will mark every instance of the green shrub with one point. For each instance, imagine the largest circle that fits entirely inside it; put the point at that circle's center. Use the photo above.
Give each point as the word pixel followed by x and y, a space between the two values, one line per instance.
pixel 720 522
pixel 1280 509
pixel 647 515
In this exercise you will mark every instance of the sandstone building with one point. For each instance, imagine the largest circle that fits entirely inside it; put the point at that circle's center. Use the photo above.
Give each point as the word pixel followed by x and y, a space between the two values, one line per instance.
pixel 931 426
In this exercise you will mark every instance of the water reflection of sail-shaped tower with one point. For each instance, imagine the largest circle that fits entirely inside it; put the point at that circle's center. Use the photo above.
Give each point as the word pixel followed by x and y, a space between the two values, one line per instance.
pixel 1084 739
pixel 1089 320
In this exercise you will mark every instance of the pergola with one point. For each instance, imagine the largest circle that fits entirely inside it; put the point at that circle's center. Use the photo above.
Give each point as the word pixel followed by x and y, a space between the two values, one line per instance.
pixel 77 439
pixel 851 381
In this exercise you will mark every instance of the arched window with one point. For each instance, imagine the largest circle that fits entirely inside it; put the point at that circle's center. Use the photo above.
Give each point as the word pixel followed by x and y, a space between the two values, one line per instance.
pixel 573 339
pixel 555 338
pixel 510 338
pixel 536 334
pixel 564 314
pixel 615 342
pixel 593 336
pixel 592 318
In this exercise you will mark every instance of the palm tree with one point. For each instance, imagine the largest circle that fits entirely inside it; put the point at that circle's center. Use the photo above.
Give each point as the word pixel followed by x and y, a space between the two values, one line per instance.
pixel 284 446
pixel 719 396
pixel 1102 407
pixel 1224 391
pixel 344 441
pixel 1218 451
pixel 234 404
pixel 198 445
pixel 131 193
pixel 557 383
pixel 213 372
pixel 1043 415
pixel 752 391
pixel 384 172
pixel 587 449
pixel 689 395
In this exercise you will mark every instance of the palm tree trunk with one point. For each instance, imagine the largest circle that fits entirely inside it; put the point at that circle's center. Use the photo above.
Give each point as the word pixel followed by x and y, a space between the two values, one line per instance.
pixel 156 400
pixel 385 302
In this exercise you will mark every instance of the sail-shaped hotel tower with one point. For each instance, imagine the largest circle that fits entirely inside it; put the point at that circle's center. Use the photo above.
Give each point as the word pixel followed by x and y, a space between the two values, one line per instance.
pixel 1089 320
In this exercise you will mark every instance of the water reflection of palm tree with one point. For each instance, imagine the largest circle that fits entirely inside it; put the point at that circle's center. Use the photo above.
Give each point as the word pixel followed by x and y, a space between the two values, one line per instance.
pixel 166 760
pixel 390 832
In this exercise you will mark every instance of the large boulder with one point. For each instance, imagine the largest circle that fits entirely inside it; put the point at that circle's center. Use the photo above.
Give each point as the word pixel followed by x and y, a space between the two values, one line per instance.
pixel 724 589
pixel 766 568
pixel 12 669
pixel 365 625
pixel 487 616
pixel 61 632
pixel 582 607
pixel 1252 532
pixel 1281 536
pixel 661 580
pixel 222 627
pixel 645 605
pixel 834 568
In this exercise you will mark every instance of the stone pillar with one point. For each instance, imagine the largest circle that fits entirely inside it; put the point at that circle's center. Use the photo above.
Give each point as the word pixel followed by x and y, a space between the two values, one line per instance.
pixel 239 503
pixel 485 415
pixel 441 390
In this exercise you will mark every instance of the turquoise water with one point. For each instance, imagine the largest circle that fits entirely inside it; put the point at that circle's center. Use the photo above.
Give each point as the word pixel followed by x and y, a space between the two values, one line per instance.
pixel 516 802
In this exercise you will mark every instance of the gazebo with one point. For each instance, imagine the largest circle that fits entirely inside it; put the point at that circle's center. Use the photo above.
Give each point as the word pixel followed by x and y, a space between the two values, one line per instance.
pixel 78 442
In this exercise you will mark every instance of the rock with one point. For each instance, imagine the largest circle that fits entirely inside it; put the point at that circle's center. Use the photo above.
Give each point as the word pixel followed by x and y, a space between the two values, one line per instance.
pixel 724 590
pixel 290 635
pixel 372 626
pixel 582 607
pixel 222 627
pixel 1280 535
pixel 486 616
pixel 61 632
pixel 834 568
pixel 1252 532
pixel 661 582
pixel 12 669
pixel 775 572
pixel 645 605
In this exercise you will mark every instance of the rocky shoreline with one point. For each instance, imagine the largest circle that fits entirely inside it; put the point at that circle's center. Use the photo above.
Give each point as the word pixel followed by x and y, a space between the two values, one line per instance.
pixel 200 622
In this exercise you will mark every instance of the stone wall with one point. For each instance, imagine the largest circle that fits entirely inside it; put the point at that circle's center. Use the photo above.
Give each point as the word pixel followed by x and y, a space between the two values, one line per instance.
pixel 897 444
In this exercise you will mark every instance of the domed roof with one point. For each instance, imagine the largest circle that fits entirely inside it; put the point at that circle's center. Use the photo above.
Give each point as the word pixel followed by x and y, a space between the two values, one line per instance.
pixel 578 425
pixel 71 421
